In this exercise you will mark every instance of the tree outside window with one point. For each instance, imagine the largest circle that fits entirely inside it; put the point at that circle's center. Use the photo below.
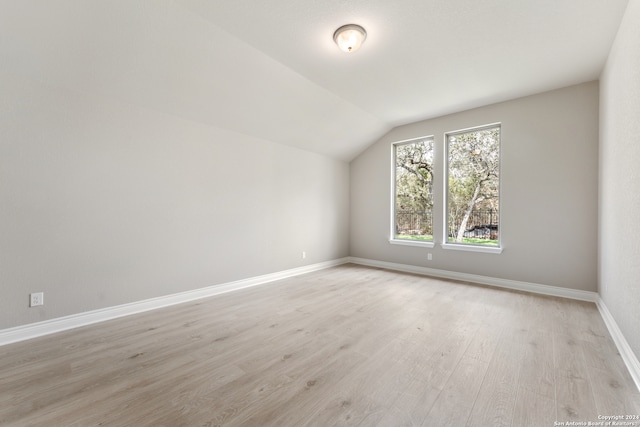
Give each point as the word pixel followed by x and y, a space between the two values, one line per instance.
pixel 473 186
pixel 413 190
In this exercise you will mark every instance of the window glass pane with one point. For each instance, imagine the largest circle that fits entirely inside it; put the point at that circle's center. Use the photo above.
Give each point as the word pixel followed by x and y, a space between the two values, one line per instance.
pixel 413 195
pixel 473 186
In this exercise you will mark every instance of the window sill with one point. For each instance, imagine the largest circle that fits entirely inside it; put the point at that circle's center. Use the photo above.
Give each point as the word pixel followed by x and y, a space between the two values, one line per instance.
pixel 422 244
pixel 471 248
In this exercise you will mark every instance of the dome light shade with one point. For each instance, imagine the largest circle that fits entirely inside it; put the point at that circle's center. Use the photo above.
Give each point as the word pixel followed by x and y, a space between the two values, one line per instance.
pixel 349 37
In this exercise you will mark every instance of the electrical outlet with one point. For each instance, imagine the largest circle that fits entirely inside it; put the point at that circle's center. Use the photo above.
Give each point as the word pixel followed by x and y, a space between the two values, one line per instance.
pixel 304 254
pixel 36 298
pixel 429 256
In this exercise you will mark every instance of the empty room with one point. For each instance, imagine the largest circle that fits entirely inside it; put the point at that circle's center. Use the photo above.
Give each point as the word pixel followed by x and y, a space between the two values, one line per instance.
pixel 303 213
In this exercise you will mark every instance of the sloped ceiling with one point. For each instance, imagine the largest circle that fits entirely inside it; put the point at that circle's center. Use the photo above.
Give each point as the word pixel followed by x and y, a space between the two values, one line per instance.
pixel 270 69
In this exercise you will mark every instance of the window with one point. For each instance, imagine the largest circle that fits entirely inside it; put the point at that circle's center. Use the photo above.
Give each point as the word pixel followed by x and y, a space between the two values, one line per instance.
pixel 473 187
pixel 413 192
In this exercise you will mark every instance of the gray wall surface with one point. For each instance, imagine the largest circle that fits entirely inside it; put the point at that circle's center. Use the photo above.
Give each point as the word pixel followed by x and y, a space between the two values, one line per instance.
pixel 103 203
pixel 619 257
pixel 549 187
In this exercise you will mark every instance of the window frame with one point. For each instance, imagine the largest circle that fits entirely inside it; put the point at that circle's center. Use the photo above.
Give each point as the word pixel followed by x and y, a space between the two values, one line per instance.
pixel 392 230
pixel 445 199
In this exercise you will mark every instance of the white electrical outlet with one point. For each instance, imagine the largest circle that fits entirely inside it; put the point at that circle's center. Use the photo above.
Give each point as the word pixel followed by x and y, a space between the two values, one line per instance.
pixel 429 256
pixel 36 298
pixel 304 254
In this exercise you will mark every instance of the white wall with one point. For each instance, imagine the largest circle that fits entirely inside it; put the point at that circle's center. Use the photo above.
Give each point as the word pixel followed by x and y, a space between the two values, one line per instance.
pixel 619 221
pixel 549 185
pixel 103 203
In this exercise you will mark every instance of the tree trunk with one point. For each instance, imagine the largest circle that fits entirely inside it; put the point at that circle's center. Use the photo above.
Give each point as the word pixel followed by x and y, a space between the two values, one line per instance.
pixel 467 214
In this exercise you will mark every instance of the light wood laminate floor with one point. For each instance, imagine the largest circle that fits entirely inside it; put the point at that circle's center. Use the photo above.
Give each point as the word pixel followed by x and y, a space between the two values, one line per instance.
pixel 349 345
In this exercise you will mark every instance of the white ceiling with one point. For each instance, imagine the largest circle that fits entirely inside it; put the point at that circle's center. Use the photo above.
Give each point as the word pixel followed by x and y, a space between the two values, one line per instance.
pixel 270 69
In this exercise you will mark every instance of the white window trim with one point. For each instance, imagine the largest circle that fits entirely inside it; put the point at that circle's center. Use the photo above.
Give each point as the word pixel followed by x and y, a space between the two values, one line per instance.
pixel 422 244
pixel 392 223
pixel 445 217
pixel 472 248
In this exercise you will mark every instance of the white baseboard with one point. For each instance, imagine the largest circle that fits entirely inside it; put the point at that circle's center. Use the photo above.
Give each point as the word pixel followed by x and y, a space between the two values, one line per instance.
pixel 484 280
pixel 33 330
pixel 629 358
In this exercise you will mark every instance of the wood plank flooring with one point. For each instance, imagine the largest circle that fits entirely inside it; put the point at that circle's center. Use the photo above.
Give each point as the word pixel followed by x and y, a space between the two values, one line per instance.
pixel 349 345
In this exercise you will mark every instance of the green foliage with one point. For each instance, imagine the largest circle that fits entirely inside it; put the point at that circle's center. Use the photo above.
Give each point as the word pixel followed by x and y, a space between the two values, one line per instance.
pixel 473 179
pixel 414 237
pixel 414 188
pixel 414 176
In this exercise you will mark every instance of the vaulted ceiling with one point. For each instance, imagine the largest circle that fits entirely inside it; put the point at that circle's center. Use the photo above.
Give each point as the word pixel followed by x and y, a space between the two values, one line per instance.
pixel 271 70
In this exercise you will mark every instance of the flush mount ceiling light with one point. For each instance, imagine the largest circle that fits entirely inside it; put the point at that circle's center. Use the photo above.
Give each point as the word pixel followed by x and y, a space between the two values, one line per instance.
pixel 349 37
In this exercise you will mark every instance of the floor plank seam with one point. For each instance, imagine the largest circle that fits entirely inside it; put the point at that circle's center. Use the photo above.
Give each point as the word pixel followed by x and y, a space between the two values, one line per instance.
pixel 347 345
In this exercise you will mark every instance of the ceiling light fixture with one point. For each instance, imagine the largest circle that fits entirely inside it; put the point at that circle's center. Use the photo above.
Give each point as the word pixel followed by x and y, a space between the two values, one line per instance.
pixel 349 37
